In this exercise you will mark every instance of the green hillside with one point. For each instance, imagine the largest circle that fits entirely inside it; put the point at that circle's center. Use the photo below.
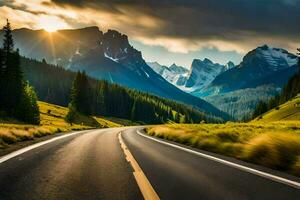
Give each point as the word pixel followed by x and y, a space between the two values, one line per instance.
pixel 288 111
pixel 52 121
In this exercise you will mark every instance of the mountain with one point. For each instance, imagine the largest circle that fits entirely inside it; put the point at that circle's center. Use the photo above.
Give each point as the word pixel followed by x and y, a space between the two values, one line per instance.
pixel 261 66
pixel 202 74
pixel 177 75
pixel 106 56
pixel 178 69
pixel 259 77
pixel 158 68
pixel 229 65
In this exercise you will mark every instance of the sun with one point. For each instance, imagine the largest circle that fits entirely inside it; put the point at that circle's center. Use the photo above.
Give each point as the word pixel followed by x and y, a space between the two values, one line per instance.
pixel 50 29
pixel 52 23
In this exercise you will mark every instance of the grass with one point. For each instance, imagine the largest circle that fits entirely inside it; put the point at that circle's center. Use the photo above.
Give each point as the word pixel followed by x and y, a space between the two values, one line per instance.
pixel 52 121
pixel 287 111
pixel 275 145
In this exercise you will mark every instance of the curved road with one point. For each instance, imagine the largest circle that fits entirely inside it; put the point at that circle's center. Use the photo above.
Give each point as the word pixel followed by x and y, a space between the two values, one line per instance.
pixel 92 165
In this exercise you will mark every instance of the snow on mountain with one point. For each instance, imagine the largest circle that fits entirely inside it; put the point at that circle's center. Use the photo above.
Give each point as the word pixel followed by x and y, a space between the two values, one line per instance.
pixel 158 68
pixel 276 58
pixel 178 69
pixel 202 74
pixel 177 75
pixel 261 66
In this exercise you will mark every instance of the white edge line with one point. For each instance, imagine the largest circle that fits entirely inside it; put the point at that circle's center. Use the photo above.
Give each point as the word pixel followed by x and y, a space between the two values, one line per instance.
pixel 23 150
pixel 225 162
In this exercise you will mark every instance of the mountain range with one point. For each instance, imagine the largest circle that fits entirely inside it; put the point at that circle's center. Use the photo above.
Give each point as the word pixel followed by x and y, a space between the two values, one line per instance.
pixel 237 89
pixel 101 55
pixel 200 75
pixel 110 56
pixel 261 66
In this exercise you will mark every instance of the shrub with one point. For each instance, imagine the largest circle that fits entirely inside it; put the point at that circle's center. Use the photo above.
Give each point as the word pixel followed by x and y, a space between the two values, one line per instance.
pixel 274 150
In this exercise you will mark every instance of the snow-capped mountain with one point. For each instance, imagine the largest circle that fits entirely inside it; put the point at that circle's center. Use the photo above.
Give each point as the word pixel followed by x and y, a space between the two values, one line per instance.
pixel 202 74
pixel 177 75
pixel 158 68
pixel 261 66
pixel 178 69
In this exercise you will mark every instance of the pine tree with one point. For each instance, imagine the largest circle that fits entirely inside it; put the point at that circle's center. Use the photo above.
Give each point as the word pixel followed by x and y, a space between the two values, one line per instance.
pixel 8 43
pixel 18 99
pixel 261 108
pixel 72 114
pixel 28 107
pixel 80 98
pixel 12 77
pixel 177 117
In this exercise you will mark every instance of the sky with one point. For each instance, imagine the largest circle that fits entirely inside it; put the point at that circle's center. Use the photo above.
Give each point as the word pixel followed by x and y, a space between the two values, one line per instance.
pixel 171 31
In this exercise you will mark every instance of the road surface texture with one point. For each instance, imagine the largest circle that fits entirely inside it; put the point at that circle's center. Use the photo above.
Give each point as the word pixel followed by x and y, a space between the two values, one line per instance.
pixel 92 165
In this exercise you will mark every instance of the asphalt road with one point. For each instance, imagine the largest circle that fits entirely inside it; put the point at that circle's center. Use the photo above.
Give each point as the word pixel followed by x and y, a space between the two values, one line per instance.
pixel 92 165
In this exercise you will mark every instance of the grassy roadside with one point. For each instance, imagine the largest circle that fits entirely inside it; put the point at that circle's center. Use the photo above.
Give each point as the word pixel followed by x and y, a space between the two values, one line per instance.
pixel 275 145
pixel 52 122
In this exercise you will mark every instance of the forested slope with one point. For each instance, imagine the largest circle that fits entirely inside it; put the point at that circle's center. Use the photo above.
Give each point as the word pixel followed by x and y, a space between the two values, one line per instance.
pixel 53 85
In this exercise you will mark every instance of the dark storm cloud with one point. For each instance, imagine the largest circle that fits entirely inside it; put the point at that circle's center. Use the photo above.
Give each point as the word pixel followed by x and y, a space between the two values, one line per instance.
pixel 228 20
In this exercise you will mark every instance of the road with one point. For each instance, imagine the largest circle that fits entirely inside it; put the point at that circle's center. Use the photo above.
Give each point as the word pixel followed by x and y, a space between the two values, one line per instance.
pixel 92 165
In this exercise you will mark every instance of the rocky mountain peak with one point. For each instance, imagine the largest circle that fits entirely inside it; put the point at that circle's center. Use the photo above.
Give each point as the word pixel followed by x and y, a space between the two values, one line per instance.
pixel 269 58
pixel 178 69
pixel 229 65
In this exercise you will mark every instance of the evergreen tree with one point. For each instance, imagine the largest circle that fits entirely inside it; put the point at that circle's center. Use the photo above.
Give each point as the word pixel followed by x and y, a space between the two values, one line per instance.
pixel 18 99
pixel 72 114
pixel 261 108
pixel 80 98
pixel 177 117
pixel 28 108
pixel 8 43
pixel 12 79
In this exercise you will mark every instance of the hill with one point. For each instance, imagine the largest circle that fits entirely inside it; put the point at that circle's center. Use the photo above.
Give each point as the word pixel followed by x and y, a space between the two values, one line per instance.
pixel 288 111
pixel 52 122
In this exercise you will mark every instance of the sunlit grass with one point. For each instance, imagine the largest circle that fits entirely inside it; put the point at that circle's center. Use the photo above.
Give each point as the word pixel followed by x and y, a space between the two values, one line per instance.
pixel 287 111
pixel 275 145
pixel 52 121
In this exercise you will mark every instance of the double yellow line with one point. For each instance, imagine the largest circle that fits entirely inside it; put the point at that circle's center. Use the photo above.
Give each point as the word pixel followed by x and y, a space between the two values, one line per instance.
pixel 141 179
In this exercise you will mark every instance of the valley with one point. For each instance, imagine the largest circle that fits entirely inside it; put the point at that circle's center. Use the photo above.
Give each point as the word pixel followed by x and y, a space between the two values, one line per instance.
pixel 149 100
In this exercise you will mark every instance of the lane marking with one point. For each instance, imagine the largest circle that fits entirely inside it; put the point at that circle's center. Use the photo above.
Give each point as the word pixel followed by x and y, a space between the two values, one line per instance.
pixel 23 150
pixel 141 179
pixel 225 162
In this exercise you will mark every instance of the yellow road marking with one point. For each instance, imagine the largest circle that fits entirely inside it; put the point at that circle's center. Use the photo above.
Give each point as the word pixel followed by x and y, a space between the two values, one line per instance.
pixel 141 179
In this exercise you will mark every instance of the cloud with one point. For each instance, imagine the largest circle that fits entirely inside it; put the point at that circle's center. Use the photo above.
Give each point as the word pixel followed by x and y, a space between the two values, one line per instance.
pixel 178 25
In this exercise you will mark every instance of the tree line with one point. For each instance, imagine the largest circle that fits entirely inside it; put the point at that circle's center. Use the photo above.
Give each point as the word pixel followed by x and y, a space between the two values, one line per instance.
pixel 89 96
pixel 17 98
pixel 56 85
pixel 289 91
